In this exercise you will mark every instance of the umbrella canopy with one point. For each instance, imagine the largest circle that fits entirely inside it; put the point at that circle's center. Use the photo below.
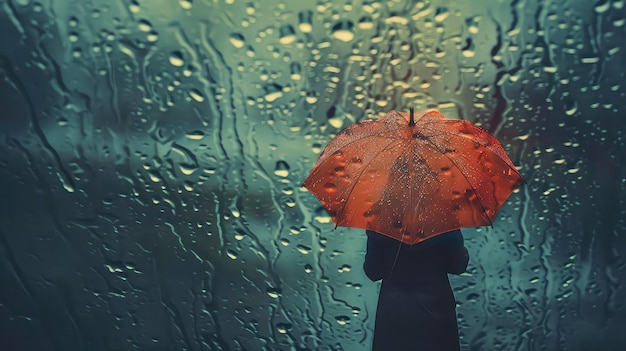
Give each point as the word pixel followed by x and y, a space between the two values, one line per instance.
pixel 413 177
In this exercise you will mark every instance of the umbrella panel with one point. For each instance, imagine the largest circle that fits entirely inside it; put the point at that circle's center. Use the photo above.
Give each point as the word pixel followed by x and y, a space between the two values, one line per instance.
pixel 413 182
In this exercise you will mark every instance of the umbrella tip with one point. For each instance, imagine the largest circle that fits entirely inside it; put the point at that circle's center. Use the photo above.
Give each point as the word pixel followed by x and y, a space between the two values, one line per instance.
pixel 411 116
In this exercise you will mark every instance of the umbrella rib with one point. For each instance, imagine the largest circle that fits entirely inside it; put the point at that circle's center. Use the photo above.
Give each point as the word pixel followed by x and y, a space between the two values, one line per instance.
pixel 480 201
pixel 378 135
pixel 387 147
pixel 498 156
pixel 415 211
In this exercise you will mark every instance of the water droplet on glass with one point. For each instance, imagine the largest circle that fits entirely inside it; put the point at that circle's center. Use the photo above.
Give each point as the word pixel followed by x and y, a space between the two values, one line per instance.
pixel 196 95
pixel 274 92
pixel 281 169
pixel 396 19
pixel 185 4
pixel 366 22
pixel 237 40
pixel 187 169
pixel 296 71
pixel 342 320
pixel 73 37
pixel 305 250
pixel 305 25
pixel 176 59
pixel 273 292
pixel 344 268
pixel 321 216
pixel 441 14
pixel 195 135
pixel 330 188
pixel 144 26
pixel 571 106
pixel 287 34
pixel 273 96
pixel 343 31
pixel 468 49
pixel 310 98
pixel 283 328
pixel 602 7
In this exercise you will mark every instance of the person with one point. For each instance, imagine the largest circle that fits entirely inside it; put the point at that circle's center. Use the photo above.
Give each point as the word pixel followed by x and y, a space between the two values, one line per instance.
pixel 416 307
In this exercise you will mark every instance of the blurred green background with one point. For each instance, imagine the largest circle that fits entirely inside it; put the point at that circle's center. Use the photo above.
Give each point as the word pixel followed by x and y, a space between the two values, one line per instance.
pixel 152 155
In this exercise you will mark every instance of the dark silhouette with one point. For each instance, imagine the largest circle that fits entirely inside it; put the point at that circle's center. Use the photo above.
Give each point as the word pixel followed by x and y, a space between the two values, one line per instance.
pixel 416 307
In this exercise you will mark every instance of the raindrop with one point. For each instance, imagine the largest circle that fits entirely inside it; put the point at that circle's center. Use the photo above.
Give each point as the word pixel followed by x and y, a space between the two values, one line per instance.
pixel 602 7
pixel 144 26
pixel 196 95
pixel 321 216
pixel 185 4
pixel 330 188
pixel 366 22
pixel 473 297
pixel 73 22
pixel 317 148
pixel 305 25
pixel 573 170
pixel 273 292
pixel 344 268
pixel 155 177
pixel 441 14
pixel 195 135
pixel 237 40
pixel 468 49
pixel 571 106
pixel 231 254
pixel 176 59
pixel 134 7
pixel 305 250
pixel 73 37
pixel 187 169
pixel 343 31
pixel 472 25
pixel 311 97
pixel 281 169
pixel 273 92
pixel 296 71
pixel 287 34
pixel 283 328
pixel 342 320
pixel 250 10
pixel 397 19
pixel 271 97
pixel 589 60
pixel 152 37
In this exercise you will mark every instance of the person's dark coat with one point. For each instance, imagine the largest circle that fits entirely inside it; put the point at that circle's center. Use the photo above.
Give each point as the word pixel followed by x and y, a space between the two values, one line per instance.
pixel 416 307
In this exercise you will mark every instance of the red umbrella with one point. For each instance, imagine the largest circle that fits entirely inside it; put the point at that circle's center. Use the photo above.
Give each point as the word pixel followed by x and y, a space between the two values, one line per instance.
pixel 413 177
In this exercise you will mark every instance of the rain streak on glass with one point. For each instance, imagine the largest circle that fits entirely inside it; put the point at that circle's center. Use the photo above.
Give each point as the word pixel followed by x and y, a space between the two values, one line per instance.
pixel 153 152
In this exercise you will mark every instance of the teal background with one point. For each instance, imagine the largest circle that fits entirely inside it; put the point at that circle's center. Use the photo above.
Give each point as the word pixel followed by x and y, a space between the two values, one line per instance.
pixel 152 152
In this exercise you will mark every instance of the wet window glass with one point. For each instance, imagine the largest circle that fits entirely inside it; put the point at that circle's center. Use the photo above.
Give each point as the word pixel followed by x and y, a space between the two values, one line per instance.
pixel 152 155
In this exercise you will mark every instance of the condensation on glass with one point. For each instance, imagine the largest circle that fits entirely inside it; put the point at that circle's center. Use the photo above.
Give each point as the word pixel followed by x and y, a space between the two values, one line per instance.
pixel 152 155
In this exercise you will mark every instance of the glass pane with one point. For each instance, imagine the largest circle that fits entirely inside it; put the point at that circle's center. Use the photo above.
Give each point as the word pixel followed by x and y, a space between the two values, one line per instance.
pixel 152 155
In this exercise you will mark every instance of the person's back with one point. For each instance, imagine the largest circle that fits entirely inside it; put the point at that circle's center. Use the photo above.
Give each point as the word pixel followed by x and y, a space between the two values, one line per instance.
pixel 416 306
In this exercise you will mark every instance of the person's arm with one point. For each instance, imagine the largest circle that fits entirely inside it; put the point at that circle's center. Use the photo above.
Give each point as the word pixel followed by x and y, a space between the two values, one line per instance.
pixel 457 255
pixel 377 264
